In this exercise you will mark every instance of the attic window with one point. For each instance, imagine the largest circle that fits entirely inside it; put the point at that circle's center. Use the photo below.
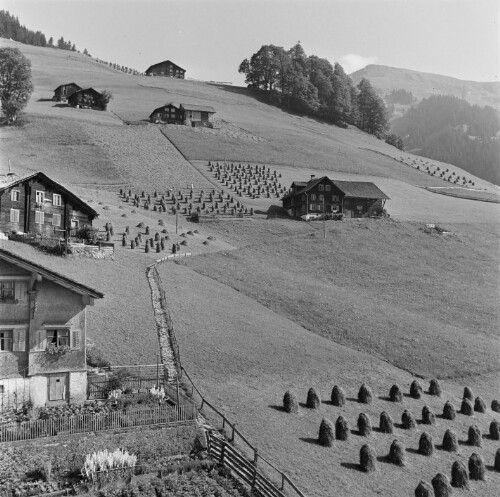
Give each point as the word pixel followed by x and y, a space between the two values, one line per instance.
pixel 327 188
pixel 321 188
pixel 7 292
pixel 15 195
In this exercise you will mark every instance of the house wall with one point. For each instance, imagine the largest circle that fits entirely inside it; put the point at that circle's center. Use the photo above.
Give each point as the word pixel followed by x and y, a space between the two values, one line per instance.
pixel 362 207
pixel 167 69
pixel 6 204
pixel 78 387
pixel 65 91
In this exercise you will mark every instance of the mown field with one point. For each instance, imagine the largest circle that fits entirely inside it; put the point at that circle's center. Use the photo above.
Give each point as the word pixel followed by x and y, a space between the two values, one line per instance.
pixel 269 305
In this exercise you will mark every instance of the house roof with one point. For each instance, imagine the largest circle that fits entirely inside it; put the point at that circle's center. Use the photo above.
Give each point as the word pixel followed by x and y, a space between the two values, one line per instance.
pixel 13 180
pixel 165 62
pixel 67 84
pixel 60 279
pixel 85 90
pixel 196 107
pixel 177 106
pixel 351 189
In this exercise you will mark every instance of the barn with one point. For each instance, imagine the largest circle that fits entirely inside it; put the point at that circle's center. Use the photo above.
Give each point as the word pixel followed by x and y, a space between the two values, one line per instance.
pixel 34 203
pixel 86 99
pixel 166 68
pixel 354 199
pixel 189 114
pixel 170 113
pixel 62 92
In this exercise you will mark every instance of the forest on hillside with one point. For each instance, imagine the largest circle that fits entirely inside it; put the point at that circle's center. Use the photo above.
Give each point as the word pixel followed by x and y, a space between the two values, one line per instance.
pixel 311 85
pixel 449 129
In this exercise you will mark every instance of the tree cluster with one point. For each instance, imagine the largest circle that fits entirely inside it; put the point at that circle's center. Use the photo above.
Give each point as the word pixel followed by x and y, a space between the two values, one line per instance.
pixel 11 28
pixel 449 129
pixel 401 96
pixel 311 85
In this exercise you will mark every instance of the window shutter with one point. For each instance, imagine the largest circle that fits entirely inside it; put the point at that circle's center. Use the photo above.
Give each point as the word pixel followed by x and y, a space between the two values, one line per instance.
pixel 14 215
pixel 41 340
pixel 21 291
pixel 19 341
pixel 75 339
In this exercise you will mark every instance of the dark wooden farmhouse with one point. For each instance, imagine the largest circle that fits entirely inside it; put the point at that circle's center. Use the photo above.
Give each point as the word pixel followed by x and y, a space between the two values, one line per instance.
pixel 323 195
pixel 166 68
pixel 86 99
pixel 34 203
pixel 62 92
pixel 42 332
pixel 189 114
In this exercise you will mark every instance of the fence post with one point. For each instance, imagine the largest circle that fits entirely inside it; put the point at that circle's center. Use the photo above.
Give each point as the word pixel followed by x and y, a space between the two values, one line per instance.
pixel 222 452
pixel 282 481
pixel 232 432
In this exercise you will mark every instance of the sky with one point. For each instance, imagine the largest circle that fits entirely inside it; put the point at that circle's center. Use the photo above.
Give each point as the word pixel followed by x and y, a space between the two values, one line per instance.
pixel 210 38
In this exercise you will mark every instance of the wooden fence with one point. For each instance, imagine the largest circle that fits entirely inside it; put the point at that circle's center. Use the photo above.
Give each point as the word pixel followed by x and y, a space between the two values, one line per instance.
pixel 165 414
pixel 99 389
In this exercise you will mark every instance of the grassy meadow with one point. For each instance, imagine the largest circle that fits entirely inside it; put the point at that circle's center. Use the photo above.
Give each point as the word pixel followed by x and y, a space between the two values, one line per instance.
pixel 269 304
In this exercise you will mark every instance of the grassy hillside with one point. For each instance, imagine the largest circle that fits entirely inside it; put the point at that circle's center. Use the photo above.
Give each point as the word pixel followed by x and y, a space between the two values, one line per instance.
pixel 268 304
pixel 424 85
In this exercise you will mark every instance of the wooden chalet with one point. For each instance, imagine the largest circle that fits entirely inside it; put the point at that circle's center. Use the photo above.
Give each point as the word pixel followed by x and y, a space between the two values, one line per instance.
pixel 62 92
pixel 86 99
pixel 325 196
pixel 42 332
pixel 166 68
pixel 189 114
pixel 34 203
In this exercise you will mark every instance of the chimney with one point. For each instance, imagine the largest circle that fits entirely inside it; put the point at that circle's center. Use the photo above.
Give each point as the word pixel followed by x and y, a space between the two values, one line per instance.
pixel 312 177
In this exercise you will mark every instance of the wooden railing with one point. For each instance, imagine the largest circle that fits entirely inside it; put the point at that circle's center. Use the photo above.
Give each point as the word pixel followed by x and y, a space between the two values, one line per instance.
pixel 248 451
pixel 83 423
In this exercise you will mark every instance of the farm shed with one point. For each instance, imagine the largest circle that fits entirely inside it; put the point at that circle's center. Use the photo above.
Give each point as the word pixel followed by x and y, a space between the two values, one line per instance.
pixel 34 203
pixel 198 115
pixel 169 113
pixel 166 68
pixel 62 92
pixel 42 332
pixel 318 195
pixel 86 99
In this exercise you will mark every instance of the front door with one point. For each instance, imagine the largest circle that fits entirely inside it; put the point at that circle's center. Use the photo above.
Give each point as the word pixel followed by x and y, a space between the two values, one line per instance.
pixel 57 387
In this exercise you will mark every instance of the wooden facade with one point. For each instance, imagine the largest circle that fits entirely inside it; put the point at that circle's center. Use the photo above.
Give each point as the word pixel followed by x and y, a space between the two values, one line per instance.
pixel 86 99
pixel 189 114
pixel 169 113
pixel 166 68
pixel 322 195
pixel 63 92
pixel 37 204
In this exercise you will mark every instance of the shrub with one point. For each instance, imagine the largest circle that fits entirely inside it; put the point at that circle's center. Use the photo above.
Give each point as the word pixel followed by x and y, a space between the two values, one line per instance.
pixel 407 420
pixel 450 441
pixel 365 394
pixel 367 459
pixel 88 233
pixel 449 411
pixel 495 430
pixel 395 394
pixel 497 461
pixel 435 388
pixel 415 390
pixel 326 435
pixel 467 408
pixel 290 403
pixel 364 425
pixel 441 486
pixel 424 489
pixel 479 405
pixel 341 428
pixel 95 358
pixel 313 399
pixel 338 396
pixel 425 444
pixel 474 437
pixel 428 417
pixel 495 405
pixel 459 476
pixel 386 424
pixel 397 453
pixel 476 467
pixel 468 394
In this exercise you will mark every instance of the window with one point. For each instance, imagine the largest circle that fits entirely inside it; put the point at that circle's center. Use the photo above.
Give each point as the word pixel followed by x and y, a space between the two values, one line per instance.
pixel 327 188
pixel 7 292
pixel 312 207
pixel 321 198
pixel 15 195
pixel 58 338
pixel 39 197
pixel 14 215
pixel 335 198
pixel 56 219
pixel 39 217
pixel 321 188
pixel 313 197
pixel 57 200
pixel 6 340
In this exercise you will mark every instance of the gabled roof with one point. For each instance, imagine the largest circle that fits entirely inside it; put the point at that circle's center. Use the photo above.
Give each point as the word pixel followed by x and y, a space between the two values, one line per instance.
pixel 64 281
pixel 196 107
pixel 67 84
pixel 360 189
pixel 306 186
pixel 165 62
pixel 16 180
pixel 73 95
pixel 159 109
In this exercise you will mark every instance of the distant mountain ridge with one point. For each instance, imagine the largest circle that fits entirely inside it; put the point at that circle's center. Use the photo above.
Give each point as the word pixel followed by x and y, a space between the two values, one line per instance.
pixel 424 85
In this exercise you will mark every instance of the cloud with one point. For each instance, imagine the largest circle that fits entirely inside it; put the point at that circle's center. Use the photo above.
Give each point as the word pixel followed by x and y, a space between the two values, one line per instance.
pixel 353 62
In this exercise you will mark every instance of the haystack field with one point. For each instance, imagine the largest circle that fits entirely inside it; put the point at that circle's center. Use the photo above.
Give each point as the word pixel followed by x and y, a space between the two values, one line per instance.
pixel 268 304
